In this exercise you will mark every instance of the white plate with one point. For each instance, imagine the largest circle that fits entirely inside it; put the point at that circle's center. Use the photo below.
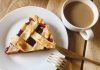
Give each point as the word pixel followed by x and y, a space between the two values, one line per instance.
pixel 10 24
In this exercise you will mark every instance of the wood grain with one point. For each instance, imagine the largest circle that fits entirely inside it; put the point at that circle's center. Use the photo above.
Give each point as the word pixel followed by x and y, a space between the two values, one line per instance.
pixel 4 4
pixel 55 6
pixel 9 5
pixel 76 44
pixel 93 46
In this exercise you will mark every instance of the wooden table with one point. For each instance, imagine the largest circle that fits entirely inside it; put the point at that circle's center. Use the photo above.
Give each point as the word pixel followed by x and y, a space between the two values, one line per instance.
pixel 89 49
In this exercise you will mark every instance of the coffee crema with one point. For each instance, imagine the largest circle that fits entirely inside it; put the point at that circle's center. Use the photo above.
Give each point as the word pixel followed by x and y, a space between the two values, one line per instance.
pixel 78 14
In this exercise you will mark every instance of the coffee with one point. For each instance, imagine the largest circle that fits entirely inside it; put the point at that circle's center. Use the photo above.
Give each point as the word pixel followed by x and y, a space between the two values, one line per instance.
pixel 78 14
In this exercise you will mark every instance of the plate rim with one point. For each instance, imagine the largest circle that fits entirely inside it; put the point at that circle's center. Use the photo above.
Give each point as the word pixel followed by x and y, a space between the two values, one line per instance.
pixel 13 11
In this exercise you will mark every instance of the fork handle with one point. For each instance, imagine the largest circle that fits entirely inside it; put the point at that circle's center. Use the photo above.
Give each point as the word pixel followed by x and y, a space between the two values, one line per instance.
pixel 83 58
pixel 74 55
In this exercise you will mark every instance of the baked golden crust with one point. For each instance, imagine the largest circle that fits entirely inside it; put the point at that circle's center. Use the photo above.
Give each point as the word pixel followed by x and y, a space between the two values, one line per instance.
pixel 33 36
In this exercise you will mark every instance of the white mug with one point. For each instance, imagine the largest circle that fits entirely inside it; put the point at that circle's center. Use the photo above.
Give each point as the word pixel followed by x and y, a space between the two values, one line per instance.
pixel 85 32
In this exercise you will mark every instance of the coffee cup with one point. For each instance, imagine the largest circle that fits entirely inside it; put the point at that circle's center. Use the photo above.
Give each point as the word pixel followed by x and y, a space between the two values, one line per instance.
pixel 86 32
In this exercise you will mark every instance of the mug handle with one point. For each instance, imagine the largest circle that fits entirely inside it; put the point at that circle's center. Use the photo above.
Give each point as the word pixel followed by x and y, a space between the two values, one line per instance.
pixel 87 34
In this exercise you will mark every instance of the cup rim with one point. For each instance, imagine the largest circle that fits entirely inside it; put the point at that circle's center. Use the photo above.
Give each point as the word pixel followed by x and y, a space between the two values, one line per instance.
pixel 75 27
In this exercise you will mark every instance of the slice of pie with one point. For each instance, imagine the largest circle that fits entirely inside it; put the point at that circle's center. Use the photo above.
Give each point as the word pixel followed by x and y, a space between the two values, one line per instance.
pixel 33 36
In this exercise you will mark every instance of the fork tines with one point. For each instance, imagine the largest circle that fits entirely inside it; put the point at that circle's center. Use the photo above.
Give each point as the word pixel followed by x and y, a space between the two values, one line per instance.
pixel 58 60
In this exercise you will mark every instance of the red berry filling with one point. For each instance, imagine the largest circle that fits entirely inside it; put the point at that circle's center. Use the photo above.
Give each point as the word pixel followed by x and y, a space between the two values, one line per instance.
pixel 20 32
pixel 27 23
pixel 40 28
pixel 6 49
pixel 31 41
pixel 50 39
pixel 30 19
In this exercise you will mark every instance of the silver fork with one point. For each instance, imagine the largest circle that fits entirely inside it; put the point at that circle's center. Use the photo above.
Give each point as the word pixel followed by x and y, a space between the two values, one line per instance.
pixel 59 61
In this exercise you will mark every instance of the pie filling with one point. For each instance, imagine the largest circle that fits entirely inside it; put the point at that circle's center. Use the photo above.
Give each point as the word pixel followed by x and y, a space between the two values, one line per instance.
pixel 31 41
pixel 40 28
pixel 20 32
pixel 6 49
pixel 50 39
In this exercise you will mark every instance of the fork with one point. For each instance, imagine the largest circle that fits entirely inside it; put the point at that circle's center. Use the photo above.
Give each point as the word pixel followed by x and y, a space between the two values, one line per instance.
pixel 59 61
